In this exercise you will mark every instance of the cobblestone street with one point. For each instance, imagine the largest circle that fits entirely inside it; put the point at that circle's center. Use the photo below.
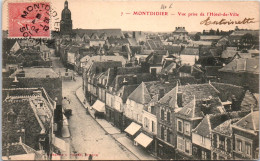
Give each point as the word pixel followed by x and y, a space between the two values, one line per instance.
pixel 87 137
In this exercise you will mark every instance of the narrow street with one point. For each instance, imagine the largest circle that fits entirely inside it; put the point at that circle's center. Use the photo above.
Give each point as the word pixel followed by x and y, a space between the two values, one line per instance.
pixel 87 137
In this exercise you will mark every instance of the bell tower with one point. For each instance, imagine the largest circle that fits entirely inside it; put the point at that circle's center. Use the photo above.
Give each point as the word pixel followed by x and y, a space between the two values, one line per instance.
pixel 66 22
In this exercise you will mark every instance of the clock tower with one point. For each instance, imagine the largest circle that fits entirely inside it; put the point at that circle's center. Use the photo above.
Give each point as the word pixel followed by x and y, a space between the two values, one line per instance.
pixel 66 22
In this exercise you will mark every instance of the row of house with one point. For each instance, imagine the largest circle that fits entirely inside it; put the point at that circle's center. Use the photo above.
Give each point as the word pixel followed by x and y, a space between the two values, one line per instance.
pixel 32 114
pixel 166 117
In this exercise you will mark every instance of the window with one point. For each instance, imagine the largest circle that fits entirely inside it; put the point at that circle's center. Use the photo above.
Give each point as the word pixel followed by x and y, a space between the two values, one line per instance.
pixel 215 156
pixel 152 126
pixel 187 146
pixel 162 133
pixel 202 140
pixel 222 142
pixel 248 148
pixel 187 128
pixel 168 136
pixel 162 114
pixel 145 122
pixel 239 145
pixel 179 124
pixel 195 150
pixel 180 144
pixel 168 116
pixel 203 155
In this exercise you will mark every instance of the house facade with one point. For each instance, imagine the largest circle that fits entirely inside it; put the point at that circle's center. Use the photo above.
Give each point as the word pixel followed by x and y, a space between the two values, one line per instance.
pixel 246 137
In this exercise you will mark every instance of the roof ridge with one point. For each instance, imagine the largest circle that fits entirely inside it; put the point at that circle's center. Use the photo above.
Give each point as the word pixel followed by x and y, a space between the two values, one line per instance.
pixel 194 106
pixel 37 117
pixel 208 119
pixel 214 87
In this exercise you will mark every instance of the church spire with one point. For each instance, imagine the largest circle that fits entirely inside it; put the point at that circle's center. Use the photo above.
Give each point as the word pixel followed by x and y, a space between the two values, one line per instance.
pixel 66 5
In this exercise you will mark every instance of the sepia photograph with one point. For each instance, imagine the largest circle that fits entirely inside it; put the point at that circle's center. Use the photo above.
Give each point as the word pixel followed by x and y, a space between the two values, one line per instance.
pixel 130 80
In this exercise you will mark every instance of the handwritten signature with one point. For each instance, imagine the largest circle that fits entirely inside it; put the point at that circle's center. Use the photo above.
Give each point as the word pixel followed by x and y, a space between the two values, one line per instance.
pixel 223 21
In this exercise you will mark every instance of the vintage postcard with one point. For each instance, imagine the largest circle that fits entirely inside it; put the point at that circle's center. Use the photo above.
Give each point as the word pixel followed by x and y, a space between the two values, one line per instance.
pixel 130 80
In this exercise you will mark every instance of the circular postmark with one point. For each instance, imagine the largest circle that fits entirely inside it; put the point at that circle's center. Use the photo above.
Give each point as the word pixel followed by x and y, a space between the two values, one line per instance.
pixel 30 20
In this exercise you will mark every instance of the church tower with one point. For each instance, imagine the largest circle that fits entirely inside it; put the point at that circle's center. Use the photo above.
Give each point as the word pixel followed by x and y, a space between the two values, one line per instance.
pixel 66 22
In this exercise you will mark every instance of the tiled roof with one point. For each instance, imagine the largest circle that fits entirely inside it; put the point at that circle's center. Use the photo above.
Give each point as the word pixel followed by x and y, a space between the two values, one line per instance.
pixel 26 42
pixel 15 149
pixel 243 32
pixel 210 37
pixel 208 123
pixel 249 101
pixel 169 68
pixel 44 48
pixel 21 148
pixel 227 91
pixel 53 86
pixel 154 87
pixel 212 70
pixel 140 94
pixel 201 91
pixel 85 36
pixel 24 112
pixel 136 49
pixel 169 98
pixel 110 32
pixel 228 54
pixel 119 41
pixel 129 79
pixel 155 59
pixel 190 51
pixel 172 49
pixel 125 91
pixel 37 73
pixel 73 49
pixel 242 65
pixel 249 122
pixel 217 122
pixel 189 69
pixel 187 80
pixel 205 43
pixel 103 36
pixel 190 110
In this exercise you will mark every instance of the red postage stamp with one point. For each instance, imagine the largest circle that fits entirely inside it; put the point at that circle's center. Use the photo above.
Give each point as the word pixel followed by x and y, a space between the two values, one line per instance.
pixel 29 20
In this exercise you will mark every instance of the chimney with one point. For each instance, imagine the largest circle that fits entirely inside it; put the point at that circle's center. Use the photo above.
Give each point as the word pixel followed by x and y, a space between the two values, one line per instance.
pixel 125 82
pixel 133 34
pixel 235 104
pixel 179 99
pixel 161 93
pixel 145 67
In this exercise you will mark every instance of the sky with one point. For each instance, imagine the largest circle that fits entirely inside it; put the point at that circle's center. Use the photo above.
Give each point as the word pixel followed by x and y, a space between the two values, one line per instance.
pixel 107 14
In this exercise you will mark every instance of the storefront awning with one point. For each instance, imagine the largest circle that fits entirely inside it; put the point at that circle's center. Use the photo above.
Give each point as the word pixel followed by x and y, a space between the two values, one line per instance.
pixel 99 106
pixel 132 128
pixel 143 140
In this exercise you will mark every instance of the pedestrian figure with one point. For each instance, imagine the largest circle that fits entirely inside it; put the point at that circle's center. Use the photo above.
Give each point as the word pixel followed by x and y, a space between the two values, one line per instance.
pixel 90 157
pixel 75 154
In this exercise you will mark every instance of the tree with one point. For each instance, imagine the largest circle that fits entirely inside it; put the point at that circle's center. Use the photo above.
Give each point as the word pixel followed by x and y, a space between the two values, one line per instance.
pixel 197 36
pixel 217 33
